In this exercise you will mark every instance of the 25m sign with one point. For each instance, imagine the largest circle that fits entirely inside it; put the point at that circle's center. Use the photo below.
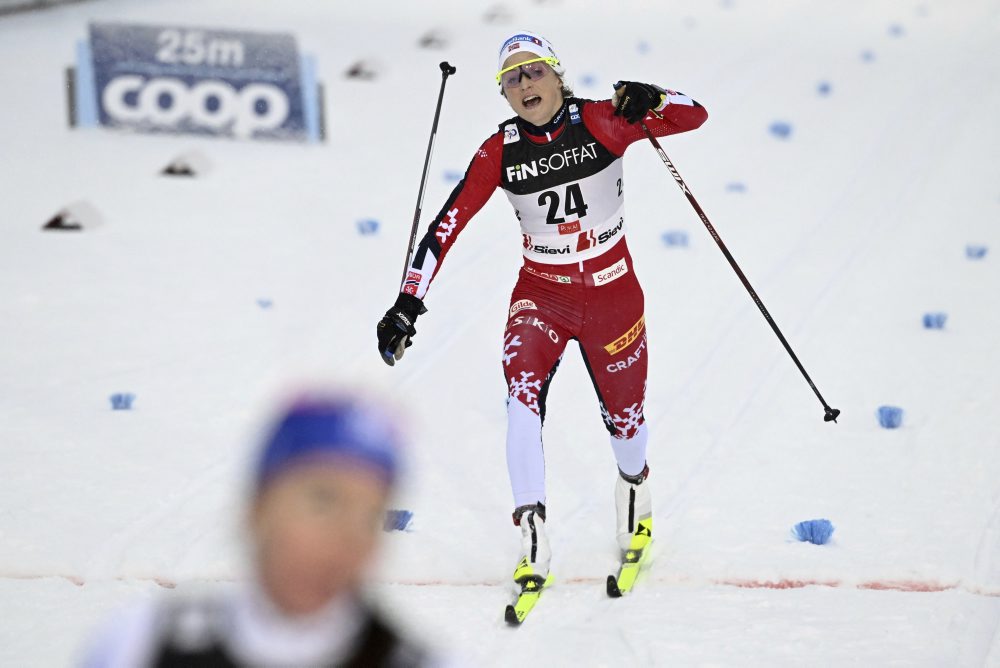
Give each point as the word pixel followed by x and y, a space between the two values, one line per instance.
pixel 246 85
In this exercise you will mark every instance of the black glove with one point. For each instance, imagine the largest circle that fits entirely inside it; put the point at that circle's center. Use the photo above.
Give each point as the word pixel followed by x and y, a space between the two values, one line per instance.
pixel 634 100
pixel 395 329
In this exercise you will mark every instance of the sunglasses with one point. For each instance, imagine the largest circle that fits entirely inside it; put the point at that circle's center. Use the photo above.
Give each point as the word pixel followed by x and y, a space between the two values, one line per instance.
pixel 534 69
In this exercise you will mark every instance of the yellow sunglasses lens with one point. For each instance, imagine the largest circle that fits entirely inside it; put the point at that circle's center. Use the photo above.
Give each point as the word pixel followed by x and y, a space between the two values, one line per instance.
pixel 552 62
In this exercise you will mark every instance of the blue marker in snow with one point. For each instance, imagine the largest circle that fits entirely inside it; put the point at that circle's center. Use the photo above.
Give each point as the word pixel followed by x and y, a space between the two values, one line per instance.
pixel 890 417
pixel 817 532
pixel 367 227
pixel 122 401
pixel 675 238
pixel 824 88
pixel 974 252
pixel 736 187
pixel 935 320
pixel 781 129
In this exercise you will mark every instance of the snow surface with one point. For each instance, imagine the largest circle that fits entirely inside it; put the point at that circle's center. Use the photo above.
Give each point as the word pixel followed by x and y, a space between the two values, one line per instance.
pixel 851 228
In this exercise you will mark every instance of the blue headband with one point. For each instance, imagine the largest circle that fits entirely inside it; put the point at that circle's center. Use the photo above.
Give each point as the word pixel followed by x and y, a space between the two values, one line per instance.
pixel 338 427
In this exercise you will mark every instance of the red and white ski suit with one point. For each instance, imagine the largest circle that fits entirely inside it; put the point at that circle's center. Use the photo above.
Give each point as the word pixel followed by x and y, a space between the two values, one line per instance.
pixel 566 184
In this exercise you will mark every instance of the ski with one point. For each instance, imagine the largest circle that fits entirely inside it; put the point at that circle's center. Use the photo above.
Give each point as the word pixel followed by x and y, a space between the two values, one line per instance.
pixel 632 560
pixel 531 589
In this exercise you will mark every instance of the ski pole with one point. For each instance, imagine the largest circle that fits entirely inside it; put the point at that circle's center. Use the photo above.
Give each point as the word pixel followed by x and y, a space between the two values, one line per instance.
pixel 446 70
pixel 831 414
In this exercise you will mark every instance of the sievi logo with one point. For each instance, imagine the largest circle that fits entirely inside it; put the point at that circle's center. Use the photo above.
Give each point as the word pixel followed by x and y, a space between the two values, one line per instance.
pixel 211 104
pixel 605 276
pixel 549 250
pixel 589 239
pixel 554 163
pixel 529 245
pixel 606 236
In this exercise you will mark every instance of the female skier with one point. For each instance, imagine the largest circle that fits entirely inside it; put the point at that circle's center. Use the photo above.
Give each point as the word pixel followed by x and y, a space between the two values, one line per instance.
pixel 559 161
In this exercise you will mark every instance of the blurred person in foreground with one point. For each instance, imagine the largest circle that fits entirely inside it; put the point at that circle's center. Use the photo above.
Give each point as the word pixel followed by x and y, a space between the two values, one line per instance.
pixel 320 491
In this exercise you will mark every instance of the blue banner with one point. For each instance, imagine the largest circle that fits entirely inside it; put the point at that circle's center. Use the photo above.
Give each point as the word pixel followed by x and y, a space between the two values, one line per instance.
pixel 193 80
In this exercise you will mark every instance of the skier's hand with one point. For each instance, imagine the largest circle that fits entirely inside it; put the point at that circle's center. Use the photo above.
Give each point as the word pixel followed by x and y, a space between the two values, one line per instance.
pixel 395 329
pixel 634 100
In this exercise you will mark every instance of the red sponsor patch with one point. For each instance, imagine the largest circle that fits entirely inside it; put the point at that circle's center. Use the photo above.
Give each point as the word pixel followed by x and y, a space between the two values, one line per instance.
pixel 413 276
pixel 555 278
pixel 585 241
pixel 611 273
pixel 410 289
pixel 521 305
pixel 569 228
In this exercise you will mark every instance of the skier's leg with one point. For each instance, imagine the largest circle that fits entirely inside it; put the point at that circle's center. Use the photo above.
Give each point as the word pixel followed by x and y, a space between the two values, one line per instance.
pixel 614 347
pixel 616 357
pixel 622 410
pixel 532 350
pixel 533 346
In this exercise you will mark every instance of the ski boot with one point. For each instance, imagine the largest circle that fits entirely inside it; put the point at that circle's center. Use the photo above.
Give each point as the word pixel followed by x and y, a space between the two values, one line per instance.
pixel 531 575
pixel 635 528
